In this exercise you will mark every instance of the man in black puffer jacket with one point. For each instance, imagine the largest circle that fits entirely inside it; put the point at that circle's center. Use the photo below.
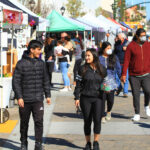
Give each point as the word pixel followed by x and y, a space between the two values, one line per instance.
pixel 30 82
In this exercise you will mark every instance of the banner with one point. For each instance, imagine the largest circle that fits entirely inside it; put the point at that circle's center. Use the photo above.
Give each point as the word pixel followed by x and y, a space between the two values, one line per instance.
pixel 12 17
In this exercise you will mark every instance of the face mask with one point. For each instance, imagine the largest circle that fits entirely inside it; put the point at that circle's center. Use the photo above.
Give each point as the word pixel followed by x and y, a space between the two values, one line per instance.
pixel 109 52
pixel 143 38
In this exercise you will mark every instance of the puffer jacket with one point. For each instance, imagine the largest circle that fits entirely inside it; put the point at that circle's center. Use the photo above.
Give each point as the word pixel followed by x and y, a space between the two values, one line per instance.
pixel 30 79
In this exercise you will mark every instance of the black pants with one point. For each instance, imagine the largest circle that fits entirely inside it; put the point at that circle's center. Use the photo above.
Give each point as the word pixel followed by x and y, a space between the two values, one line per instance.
pixel 92 110
pixel 70 55
pixel 50 69
pixel 37 110
pixel 109 97
pixel 136 84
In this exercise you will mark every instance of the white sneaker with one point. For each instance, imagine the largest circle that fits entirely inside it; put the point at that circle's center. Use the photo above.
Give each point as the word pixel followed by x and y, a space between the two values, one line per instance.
pixel 69 89
pixel 64 90
pixel 103 120
pixel 108 116
pixel 147 110
pixel 136 117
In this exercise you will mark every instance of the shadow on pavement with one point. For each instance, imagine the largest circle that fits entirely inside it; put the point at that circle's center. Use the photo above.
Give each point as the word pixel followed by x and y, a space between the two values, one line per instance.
pixel 5 143
pixel 69 115
pixel 143 125
pixel 120 116
pixel 58 141
pixel 61 142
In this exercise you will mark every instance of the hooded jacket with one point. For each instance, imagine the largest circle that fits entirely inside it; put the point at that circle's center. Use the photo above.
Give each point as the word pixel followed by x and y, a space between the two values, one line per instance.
pixel 30 79
pixel 137 58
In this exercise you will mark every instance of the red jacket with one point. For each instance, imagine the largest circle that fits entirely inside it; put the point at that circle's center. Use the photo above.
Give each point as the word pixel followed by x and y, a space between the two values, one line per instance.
pixel 137 59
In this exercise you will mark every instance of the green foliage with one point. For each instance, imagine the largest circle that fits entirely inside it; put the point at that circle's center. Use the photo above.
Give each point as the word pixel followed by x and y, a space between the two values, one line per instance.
pixel 100 11
pixel 74 7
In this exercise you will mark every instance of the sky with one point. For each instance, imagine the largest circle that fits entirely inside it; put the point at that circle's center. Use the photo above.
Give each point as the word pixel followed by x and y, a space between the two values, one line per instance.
pixel 93 4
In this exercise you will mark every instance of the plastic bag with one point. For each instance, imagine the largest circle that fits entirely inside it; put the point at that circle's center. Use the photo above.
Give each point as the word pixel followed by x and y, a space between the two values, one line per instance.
pixel 109 84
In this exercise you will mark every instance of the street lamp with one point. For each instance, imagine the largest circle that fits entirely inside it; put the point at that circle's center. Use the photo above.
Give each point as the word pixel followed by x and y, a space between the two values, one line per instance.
pixel 32 4
pixel 62 9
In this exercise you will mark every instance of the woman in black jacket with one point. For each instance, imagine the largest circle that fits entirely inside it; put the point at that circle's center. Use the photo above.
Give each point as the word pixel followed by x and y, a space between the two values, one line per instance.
pixel 88 95
pixel 50 43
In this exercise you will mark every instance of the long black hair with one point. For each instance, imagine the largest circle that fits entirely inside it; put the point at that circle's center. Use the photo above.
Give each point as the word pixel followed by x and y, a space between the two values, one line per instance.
pixel 111 58
pixel 96 62
pixel 138 33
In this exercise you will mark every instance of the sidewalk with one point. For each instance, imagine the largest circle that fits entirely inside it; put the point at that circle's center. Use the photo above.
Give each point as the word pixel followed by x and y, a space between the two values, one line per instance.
pixel 63 128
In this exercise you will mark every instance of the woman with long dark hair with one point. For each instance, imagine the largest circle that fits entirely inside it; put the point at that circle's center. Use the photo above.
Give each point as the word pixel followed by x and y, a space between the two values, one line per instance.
pixel 137 58
pixel 88 95
pixel 50 43
pixel 112 64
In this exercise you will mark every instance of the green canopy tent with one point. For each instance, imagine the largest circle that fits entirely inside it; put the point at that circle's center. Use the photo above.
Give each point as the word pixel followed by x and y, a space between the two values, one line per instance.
pixel 60 24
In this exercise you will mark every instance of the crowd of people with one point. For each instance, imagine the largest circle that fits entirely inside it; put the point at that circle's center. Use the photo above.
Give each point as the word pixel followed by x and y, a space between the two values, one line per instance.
pixel 97 77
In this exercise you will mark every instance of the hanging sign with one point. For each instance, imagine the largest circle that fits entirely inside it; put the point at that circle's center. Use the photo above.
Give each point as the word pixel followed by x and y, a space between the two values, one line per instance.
pixel 12 17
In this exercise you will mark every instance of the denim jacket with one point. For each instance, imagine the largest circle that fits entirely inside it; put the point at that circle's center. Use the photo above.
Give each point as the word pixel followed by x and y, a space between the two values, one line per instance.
pixel 111 72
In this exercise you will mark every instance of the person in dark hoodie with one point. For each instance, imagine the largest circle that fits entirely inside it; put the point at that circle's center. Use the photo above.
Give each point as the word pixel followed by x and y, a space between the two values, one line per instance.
pixel 111 62
pixel 88 95
pixel 50 43
pixel 137 58
pixel 120 48
pixel 30 82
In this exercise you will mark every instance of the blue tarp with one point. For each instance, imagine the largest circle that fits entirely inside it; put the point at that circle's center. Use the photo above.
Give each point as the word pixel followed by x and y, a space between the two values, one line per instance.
pixel 125 25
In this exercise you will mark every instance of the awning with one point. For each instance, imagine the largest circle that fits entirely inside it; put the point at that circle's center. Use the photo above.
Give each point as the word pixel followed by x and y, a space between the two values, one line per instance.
pixel 125 25
pixel 58 23
pixel 15 4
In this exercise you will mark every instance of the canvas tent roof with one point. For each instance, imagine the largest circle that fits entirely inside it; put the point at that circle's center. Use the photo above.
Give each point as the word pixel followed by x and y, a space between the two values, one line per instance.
pixel 17 5
pixel 111 24
pixel 58 23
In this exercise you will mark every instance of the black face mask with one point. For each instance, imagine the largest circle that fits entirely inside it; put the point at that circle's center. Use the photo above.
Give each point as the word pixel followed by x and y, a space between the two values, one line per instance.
pixel 118 42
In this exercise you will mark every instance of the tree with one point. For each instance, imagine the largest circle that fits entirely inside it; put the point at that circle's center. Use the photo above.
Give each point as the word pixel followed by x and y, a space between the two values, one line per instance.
pixel 74 7
pixel 100 11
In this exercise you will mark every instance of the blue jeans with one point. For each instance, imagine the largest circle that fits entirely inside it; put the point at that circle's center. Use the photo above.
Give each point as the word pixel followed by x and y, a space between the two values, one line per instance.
pixel 126 84
pixel 64 70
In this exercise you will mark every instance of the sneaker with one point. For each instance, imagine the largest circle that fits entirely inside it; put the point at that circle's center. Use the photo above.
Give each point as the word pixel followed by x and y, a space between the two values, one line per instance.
pixel 38 146
pixel 147 110
pixel 136 117
pixel 24 146
pixel 96 145
pixel 69 89
pixel 108 116
pixel 103 120
pixel 64 90
pixel 88 146
pixel 125 95
pixel 118 92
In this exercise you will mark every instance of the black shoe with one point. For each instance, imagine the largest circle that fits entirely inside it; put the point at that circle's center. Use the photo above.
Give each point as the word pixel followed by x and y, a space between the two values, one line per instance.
pixel 38 146
pixel 88 146
pixel 24 145
pixel 118 92
pixel 96 145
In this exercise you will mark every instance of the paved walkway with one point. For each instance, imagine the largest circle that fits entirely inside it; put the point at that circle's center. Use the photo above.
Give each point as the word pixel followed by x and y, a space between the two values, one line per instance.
pixel 63 128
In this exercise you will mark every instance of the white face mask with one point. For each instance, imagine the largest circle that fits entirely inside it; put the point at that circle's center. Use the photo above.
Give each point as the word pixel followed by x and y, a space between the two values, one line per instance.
pixel 143 38
pixel 109 52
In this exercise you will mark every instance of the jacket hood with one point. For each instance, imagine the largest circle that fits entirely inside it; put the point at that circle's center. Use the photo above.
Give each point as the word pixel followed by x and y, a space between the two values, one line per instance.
pixel 26 56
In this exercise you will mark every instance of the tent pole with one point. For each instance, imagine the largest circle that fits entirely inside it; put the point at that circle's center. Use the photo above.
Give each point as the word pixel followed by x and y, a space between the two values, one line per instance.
pixel 12 48
pixel 1 48
pixel 91 37
pixel 84 42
